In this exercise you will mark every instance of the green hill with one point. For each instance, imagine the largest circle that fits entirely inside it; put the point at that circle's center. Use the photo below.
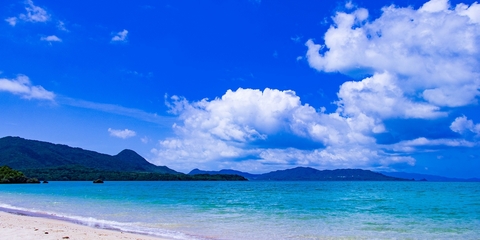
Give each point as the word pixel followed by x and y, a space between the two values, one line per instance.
pixel 23 154
pixel 8 175
pixel 79 173
pixel 48 161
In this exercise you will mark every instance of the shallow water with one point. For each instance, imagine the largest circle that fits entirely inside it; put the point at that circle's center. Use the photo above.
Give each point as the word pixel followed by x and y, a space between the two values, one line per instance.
pixel 261 210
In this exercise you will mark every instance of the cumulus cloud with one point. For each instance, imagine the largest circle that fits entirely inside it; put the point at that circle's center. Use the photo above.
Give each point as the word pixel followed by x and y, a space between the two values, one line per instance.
pixel 463 125
pixel 23 87
pixel 120 36
pixel 33 14
pixel 433 51
pixel 124 134
pixel 406 64
pixel 253 125
pixel 435 6
pixel 363 97
pixel 249 114
pixel 51 38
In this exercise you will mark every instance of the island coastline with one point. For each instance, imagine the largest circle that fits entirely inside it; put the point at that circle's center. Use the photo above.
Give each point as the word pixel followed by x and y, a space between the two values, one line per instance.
pixel 18 225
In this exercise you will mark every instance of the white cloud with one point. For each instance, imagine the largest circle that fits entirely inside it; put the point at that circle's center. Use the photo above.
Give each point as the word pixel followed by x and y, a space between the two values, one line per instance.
pixel 124 134
pixel 120 36
pixel 237 114
pixel 433 52
pixel 118 110
pixel 145 139
pixel 61 26
pixel 33 14
pixel 23 87
pixel 194 150
pixel 296 39
pixel 248 115
pixel 213 133
pixel 333 157
pixel 435 6
pixel 363 97
pixel 417 144
pixel 462 125
pixel 349 5
pixel 12 21
pixel 472 11
pixel 51 38
pixel 412 63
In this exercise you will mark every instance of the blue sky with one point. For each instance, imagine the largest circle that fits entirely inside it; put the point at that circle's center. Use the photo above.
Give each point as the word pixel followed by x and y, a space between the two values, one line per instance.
pixel 250 85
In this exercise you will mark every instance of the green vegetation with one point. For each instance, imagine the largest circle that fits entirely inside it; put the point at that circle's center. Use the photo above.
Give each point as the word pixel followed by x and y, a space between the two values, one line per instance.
pixel 309 174
pixel 55 162
pixel 80 173
pixel 9 175
pixel 22 154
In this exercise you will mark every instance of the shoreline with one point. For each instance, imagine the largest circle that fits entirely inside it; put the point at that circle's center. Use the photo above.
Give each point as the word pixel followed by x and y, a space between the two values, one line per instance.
pixel 18 225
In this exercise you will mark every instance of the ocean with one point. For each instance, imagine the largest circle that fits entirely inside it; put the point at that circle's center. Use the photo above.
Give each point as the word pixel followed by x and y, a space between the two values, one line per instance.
pixel 259 209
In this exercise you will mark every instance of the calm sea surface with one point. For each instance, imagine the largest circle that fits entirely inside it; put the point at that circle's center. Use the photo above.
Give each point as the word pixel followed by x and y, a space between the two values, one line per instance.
pixel 260 210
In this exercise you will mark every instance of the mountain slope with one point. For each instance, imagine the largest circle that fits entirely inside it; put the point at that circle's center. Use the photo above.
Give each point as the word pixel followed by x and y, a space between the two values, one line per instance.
pixel 309 174
pixel 138 162
pixel 427 177
pixel 224 171
pixel 19 153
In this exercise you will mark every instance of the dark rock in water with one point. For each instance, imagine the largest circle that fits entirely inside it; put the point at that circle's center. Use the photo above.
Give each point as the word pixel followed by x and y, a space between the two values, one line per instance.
pixel 98 181
pixel 45 181
pixel 423 180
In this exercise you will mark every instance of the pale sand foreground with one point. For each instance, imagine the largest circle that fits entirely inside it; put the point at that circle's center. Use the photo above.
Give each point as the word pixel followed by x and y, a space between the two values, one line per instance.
pixel 13 226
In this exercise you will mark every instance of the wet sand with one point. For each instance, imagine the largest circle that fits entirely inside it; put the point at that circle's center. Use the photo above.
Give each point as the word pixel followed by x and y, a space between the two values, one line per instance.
pixel 15 226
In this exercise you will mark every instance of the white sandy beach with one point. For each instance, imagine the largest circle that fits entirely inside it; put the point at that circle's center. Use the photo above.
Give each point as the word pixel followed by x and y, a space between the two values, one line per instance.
pixel 13 226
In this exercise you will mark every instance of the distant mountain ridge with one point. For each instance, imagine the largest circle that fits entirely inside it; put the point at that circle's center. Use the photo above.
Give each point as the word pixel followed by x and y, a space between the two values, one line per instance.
pixel 39 158
pixel 309 174
pixel 428 177
pixel 225 171
pixel 19 153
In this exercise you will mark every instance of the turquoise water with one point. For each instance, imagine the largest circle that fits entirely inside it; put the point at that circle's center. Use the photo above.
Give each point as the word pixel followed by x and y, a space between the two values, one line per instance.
pixel 260 210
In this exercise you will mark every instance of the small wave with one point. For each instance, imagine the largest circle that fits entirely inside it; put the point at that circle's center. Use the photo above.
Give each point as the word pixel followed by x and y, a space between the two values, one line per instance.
pixel 99 223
